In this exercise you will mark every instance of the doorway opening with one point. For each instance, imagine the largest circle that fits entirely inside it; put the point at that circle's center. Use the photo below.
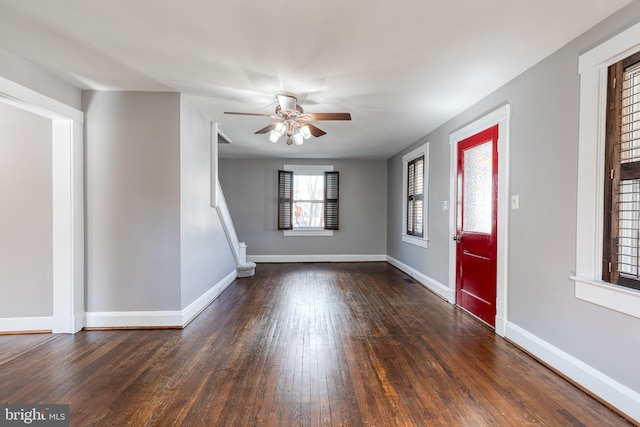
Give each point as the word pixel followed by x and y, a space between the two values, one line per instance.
pixel 67 210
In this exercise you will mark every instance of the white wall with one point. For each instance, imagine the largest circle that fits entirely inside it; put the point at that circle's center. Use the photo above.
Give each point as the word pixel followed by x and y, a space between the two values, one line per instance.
pixel 26 233
pixel 132 201
pixel 206 258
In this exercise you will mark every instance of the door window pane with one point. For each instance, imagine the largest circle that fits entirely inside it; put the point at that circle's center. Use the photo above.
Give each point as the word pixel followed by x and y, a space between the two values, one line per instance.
pixel 477 188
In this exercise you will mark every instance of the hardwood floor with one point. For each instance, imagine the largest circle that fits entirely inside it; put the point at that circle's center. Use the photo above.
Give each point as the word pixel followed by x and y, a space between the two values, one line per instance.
pixel 300 344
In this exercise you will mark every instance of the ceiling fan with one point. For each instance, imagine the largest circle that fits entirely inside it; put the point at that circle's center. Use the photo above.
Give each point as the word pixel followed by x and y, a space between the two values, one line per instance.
pixel 293 121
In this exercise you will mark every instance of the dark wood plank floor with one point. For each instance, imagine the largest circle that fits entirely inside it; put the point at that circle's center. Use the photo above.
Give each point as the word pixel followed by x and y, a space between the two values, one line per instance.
pixel 300 344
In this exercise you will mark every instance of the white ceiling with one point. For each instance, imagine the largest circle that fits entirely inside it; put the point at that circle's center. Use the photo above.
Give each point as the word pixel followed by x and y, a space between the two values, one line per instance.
pixel 400 68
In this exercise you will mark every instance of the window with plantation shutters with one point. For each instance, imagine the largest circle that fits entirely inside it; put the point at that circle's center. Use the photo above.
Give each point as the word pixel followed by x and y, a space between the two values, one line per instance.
pixel 606 239
pixel 308 200
pixel 621 246
pixel 415 196
pixel 415 166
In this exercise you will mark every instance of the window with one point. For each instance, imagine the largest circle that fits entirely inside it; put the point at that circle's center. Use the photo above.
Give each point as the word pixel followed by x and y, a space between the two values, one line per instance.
pixel 415 196
pixel 308 200
pixel 414 206
pixel 590 278
pixel 621 237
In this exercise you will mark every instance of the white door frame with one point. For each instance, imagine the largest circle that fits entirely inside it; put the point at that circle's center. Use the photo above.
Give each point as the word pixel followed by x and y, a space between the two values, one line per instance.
pixel 499 117
pixel 68 202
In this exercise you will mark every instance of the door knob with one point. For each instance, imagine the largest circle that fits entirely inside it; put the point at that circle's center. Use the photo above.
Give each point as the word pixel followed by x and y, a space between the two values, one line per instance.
pixel 457 238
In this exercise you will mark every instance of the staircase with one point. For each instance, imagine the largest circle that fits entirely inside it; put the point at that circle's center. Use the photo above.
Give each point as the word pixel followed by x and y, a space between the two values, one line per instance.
pixel 239 249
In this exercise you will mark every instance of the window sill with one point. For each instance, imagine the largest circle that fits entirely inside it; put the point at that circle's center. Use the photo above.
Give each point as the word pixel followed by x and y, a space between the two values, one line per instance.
pixel 308 233
pixel 418 241
pixel 618 298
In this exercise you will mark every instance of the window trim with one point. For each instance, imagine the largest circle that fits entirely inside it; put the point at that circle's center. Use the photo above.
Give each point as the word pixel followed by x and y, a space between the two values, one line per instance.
pixel 308 170
pixel 423 241
pixel 592 67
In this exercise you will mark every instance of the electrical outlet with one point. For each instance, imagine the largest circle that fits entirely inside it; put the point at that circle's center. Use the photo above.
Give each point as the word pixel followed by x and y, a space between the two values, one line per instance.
pixel 445 205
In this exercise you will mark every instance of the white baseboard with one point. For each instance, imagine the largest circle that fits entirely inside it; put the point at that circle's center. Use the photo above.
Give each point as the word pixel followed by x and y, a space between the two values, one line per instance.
pixel 26 324
pixel 196 307
pixel 153 319
pixel 133 319
pixel 618 395
pixel 315 258
pixel 426 281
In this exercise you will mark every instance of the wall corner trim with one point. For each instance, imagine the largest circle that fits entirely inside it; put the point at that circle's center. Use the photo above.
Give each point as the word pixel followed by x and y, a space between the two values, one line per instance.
pixel 618 395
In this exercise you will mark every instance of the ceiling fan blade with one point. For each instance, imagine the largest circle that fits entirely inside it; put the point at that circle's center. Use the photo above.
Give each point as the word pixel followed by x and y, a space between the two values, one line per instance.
pixel 249 114
pixel 287 103
pixel 267 128
pixel 315 131
pixel 329 116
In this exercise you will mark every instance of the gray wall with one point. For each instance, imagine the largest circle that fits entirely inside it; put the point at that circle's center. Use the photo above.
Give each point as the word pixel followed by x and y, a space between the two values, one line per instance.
pixel 132 186
pixel 26 229
pixel 206 257
pixel 249 186
pixel 544 148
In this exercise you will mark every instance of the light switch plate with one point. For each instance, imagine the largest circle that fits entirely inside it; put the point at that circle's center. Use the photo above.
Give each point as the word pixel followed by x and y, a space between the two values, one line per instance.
pixel 515 201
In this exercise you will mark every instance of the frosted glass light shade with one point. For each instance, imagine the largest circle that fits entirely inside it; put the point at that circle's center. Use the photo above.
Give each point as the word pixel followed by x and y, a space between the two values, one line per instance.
pixel 280 129
pixel 306 133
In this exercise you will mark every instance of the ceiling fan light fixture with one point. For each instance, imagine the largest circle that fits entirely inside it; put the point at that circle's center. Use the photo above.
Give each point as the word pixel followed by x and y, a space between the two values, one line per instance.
pixel 274 136
pixel 280 129
pixel 293 121
pixel 305 131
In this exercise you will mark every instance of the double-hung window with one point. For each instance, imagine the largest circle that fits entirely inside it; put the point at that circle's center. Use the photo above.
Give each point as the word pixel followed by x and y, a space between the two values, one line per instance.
pixel 308 200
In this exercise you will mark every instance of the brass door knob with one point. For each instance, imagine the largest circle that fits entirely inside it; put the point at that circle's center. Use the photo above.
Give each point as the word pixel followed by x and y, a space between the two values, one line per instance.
pixel 457 238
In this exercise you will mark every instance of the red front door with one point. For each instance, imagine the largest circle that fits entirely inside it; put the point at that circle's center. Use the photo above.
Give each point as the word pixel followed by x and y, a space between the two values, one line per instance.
pixel 477 224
